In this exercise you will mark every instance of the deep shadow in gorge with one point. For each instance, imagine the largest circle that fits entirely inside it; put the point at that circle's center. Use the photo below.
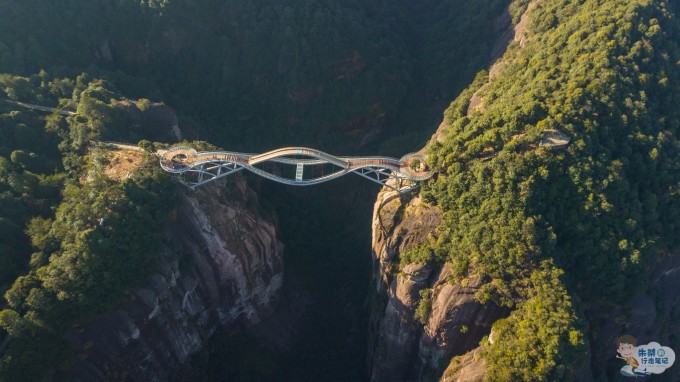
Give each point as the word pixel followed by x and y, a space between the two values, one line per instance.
pixel 319 329
pixel 319 332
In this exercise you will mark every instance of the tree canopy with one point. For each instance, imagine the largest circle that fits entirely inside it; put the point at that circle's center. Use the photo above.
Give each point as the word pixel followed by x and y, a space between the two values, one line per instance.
pixel 603 209
pixel 60 264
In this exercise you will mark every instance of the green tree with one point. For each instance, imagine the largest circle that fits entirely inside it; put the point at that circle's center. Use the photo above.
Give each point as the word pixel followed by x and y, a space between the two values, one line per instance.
pixel 543 338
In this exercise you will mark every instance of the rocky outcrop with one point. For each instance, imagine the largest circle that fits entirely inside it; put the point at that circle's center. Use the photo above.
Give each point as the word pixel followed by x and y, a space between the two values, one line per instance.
pixel 221 265
pixel 457 320
pixel 403 347
pixel 469 367
pixel 152 120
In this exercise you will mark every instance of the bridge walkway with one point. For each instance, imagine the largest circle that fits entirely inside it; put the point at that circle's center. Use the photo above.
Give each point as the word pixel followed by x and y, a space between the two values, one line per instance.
pixel 210 165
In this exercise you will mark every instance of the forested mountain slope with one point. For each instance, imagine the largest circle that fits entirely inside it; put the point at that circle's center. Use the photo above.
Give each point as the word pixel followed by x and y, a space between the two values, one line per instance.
pixel 562 236
pixel 268 72
pixel 74 239
pixel 245 75
pixel 558 238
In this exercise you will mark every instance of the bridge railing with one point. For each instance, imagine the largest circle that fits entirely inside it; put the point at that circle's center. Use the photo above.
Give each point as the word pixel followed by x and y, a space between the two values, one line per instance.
pixel 298 151
pixel 381 168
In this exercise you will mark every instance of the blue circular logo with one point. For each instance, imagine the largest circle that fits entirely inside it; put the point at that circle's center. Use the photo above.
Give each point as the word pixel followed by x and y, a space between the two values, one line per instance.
pixel 661 352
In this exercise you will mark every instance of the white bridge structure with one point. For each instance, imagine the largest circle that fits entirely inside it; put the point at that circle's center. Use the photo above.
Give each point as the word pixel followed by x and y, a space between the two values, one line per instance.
pixel 297 166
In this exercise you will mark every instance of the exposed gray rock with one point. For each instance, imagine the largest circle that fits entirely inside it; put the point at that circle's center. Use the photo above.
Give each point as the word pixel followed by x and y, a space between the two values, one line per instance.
pixel 470 367
pixel 554 139
pixel 104 51
pixel 221 265
pixel 403 349
pixel 152 120
pixel 457 321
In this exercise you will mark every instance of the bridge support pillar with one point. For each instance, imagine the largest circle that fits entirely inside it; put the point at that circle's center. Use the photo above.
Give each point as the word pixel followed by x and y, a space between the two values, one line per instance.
pixel 299 171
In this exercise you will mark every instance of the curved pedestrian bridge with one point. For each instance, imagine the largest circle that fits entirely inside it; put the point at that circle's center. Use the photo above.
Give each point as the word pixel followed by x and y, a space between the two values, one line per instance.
pixel 297 166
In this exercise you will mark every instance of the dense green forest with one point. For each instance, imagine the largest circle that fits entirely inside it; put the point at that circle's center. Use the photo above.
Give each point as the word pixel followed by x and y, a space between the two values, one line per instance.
pixel 61 263
pixel 564 234
pixel 260 74
pixel 343 76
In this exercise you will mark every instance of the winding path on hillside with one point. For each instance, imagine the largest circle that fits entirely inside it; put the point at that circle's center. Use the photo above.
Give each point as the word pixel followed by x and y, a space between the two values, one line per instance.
pixel 45 109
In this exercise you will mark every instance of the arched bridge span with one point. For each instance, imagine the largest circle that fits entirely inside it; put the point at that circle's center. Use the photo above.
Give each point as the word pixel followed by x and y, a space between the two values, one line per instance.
pixel 198 168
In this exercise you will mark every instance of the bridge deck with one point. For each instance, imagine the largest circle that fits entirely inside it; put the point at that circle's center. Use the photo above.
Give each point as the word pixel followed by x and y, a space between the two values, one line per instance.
pixel 210 165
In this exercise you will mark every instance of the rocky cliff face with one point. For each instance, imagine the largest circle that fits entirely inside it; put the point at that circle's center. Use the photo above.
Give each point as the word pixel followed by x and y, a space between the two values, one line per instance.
pixel 403 347
pixel 222 264
pixel 152 120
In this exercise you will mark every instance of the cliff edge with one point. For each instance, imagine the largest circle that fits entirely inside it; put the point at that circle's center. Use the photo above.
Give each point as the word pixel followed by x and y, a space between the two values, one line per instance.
pixel 221 264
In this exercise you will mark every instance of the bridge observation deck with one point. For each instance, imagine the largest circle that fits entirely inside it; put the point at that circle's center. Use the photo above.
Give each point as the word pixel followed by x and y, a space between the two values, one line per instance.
pixel 198 168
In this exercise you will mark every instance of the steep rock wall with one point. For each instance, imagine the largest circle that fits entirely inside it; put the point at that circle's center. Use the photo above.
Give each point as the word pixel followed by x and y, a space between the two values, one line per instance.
pixel 221 264
pixel 403 348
